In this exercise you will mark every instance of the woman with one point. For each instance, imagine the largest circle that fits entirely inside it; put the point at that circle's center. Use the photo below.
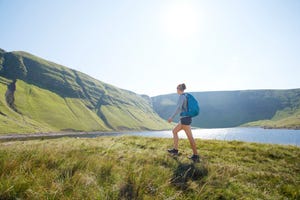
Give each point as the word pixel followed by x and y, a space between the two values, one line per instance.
pixel 184 124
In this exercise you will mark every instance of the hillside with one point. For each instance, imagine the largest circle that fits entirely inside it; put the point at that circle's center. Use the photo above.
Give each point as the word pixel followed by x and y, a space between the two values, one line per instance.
pixel 269 108
pixel 140 168
pixel 50 97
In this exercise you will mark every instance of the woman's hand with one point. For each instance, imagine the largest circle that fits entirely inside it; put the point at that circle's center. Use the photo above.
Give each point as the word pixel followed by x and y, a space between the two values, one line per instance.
pixel 170 120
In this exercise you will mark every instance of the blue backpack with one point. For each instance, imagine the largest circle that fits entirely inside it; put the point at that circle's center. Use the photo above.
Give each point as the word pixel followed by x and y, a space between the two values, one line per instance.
pixel 193 108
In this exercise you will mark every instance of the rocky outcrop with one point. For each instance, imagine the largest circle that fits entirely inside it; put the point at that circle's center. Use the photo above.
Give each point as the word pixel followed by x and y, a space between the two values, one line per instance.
pixel 10 94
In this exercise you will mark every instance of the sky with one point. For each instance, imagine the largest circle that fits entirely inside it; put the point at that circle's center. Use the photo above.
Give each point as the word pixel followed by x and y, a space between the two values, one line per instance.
pixel 151 46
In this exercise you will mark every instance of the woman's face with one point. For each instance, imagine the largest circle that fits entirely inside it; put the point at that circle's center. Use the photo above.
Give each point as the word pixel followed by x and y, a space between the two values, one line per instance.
pixel 179 91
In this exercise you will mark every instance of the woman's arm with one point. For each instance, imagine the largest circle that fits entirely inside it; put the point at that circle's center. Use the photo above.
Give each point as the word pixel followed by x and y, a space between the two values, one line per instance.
pixel 178 107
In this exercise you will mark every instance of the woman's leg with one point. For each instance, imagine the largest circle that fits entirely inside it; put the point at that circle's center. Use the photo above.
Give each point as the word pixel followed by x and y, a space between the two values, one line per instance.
pixel 188 132
pixel 175 135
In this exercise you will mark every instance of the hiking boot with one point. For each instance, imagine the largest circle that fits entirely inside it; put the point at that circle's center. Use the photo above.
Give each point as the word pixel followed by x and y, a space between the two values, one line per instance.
pixel 173 151
pixel 195 158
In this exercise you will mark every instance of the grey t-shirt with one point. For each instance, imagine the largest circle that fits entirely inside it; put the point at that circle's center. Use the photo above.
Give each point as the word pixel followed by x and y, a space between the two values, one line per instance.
pixel 181 106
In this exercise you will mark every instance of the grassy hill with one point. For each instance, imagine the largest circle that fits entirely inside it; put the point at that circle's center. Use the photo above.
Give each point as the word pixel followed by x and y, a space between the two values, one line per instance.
pixel 270 108
pixel 140 168
pixel 50 97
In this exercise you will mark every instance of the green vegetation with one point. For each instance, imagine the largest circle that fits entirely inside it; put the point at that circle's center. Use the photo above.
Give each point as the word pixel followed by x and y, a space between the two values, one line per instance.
pixel 139 168
pixel 283 119
pixel 51 97
pixel 269 108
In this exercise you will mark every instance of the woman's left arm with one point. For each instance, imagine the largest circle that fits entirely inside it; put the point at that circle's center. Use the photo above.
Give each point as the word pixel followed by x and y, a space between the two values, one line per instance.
pixel 178 107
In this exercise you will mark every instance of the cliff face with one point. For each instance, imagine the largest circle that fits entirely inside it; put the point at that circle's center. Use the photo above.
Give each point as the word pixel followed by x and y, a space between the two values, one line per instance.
pixel 271 108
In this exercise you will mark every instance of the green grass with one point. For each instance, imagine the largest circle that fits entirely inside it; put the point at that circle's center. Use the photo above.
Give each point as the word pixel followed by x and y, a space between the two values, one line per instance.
pixel 139 168
pixel 287 118
pixel 131 116
pixel 51 109
pixel 40 110
pixel 11 121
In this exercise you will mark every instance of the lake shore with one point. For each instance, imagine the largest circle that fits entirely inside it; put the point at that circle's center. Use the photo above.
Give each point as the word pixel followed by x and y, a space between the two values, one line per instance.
pixel 284 127
pixel 50 135
pixel 243 134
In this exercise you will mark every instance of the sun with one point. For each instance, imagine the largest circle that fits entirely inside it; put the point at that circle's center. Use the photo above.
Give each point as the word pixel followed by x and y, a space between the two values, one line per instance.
pixel 180 21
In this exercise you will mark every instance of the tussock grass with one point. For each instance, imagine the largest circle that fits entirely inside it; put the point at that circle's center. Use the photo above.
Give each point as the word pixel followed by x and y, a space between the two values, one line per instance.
pixel 139 168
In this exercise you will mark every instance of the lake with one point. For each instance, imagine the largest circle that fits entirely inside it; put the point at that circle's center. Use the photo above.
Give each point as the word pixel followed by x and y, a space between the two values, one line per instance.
pixel 260 135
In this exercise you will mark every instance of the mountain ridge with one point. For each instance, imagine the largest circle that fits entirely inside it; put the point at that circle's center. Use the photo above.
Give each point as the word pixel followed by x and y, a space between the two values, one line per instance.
pixel 117 109
pixel 222 109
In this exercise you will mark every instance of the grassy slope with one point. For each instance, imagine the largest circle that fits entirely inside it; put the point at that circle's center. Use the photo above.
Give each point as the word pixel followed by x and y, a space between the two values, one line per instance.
pixel 57 112
pixel 44 111
pixel 139 168
pixel 288 117
pixel 11 121
pixel 282 119
pixel 55 98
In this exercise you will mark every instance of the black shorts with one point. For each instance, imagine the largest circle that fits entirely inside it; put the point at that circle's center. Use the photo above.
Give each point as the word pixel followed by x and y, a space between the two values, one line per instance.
pixel 186 120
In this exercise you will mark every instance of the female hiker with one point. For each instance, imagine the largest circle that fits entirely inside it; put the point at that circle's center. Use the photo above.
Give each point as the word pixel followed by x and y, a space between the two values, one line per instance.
pixel 184 124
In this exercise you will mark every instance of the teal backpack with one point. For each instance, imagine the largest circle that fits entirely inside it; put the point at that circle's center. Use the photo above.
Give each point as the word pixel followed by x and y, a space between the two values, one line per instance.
pixel 193 108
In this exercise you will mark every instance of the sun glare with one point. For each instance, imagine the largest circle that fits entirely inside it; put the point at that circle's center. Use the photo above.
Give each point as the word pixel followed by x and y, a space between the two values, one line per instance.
pixel 180 21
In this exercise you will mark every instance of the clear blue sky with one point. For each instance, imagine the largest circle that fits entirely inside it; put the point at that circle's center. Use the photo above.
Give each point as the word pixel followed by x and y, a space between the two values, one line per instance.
pixel 150 46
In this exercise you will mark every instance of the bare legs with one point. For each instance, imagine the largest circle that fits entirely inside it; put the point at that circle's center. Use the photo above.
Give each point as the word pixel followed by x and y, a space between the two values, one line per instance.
pixel 175 135
pixel 188 132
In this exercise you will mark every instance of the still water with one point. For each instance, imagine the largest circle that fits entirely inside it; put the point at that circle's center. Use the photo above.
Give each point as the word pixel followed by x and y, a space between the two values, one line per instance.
pixel 260 135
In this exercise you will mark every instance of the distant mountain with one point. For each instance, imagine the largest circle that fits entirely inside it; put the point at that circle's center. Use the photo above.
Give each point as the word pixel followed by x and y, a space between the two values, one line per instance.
pixel 51 97
pixel 268 108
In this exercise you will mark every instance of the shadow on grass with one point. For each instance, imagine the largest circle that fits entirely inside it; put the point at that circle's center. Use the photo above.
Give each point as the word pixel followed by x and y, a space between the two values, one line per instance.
pixel 188 171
